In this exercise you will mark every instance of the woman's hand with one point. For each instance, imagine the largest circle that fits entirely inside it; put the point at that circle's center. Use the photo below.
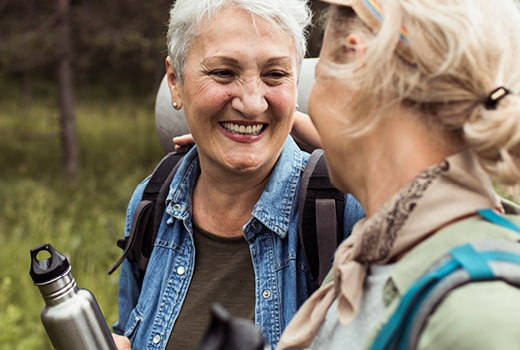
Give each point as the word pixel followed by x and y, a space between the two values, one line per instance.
pixel 304 132
pixel 183 140
pixel 122 343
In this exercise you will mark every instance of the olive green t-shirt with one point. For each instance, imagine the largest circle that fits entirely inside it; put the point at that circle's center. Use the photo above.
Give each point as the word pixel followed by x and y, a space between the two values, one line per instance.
pixel 223 274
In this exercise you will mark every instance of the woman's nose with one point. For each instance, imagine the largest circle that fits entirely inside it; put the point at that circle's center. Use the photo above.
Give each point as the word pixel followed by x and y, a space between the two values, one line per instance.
pixel 250 99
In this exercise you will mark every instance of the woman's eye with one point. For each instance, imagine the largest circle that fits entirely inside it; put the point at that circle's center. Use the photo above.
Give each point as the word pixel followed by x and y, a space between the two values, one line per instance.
pixel 278 74
pixel 222 74
pixel 275 77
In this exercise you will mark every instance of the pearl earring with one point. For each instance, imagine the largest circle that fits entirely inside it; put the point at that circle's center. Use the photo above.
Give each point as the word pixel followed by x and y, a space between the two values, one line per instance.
pixel 297 106
pixel 175 105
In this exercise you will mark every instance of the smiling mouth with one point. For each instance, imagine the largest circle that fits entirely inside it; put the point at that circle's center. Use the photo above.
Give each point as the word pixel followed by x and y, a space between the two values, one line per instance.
pixel 254 129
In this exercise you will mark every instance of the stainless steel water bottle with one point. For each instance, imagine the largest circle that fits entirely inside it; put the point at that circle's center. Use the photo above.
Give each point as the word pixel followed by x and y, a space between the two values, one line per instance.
pixel 71 315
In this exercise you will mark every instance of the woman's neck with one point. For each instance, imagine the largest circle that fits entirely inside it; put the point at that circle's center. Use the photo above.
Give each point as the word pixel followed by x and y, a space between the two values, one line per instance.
pixel 223 205
pixel 399 149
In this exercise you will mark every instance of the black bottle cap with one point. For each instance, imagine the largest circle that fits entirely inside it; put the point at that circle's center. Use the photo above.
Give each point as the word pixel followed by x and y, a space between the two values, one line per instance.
pixel 43 271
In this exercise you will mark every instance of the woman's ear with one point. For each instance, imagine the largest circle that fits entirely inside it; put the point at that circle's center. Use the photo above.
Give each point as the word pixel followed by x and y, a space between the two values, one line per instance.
pixel 173 84
pixel 356 45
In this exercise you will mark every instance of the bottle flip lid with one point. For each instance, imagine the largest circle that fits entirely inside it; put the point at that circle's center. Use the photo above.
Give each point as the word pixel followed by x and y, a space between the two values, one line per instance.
pixel 44 271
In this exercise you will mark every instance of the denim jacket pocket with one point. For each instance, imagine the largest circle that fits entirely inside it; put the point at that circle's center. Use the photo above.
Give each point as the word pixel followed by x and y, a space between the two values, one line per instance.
pixel 132 325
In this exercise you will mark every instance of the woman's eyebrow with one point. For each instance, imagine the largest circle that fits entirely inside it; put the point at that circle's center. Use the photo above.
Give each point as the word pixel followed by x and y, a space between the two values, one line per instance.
pixel 220 60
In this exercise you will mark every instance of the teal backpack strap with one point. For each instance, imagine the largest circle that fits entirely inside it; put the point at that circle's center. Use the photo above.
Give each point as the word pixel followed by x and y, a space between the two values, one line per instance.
pixel 463 264
pixel 491 216
pixel 398 326
pixel 502 257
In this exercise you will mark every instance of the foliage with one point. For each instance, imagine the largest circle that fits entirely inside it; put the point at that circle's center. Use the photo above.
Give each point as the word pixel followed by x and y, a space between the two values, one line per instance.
pixel 119 148
pixel 111 40
pixel 23 23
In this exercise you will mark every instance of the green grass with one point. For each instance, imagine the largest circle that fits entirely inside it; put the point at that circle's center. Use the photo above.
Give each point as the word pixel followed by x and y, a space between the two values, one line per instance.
pixel 83 220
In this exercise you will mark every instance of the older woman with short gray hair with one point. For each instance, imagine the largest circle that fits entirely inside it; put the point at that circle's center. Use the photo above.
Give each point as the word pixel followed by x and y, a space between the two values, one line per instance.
pixel 229 232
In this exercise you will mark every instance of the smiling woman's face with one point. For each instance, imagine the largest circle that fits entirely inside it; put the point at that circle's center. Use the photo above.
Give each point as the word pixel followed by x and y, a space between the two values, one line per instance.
pixel 239 91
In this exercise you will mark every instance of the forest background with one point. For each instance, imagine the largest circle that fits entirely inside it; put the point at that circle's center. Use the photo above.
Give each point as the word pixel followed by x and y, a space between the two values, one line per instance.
pixel 78 80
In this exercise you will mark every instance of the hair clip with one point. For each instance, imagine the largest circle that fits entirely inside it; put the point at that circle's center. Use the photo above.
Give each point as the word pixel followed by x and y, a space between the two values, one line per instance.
pixel 495 96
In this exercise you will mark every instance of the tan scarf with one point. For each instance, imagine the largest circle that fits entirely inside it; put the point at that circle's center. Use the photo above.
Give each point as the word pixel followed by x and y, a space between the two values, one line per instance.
pixel 444 192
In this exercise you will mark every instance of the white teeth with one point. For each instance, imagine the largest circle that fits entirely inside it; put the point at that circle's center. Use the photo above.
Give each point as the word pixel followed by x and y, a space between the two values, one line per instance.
pixel 242 129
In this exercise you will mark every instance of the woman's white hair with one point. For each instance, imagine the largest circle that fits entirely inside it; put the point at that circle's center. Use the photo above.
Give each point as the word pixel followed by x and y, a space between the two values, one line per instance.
pixel 293 16
pixel 461 51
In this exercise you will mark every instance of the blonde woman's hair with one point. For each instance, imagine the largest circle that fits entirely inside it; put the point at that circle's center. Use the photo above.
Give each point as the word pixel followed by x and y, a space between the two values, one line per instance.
pixel 461 50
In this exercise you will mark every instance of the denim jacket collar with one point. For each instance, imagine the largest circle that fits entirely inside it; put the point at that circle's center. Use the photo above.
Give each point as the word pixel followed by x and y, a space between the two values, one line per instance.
pixel 275 205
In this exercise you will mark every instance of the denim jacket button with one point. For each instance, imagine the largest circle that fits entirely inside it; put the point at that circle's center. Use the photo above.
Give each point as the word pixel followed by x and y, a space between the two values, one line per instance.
pixel 177 206
pixel 156 339
pixel 266 294
pixel 181 270
pixel 254 226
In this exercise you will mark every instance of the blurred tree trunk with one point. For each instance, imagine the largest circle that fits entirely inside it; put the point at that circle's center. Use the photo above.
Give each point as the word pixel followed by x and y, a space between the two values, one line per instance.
pixel 68 134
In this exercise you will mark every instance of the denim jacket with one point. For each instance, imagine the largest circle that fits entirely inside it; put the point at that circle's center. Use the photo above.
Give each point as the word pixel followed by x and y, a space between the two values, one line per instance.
pixel 283 279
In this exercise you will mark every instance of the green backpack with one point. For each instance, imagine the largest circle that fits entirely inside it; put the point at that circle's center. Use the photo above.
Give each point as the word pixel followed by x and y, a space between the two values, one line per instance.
pixel 472 262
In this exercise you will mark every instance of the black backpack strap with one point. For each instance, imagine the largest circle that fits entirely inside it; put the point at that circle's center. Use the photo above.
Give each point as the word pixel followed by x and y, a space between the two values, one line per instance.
pixel 138 245
pixel 320 222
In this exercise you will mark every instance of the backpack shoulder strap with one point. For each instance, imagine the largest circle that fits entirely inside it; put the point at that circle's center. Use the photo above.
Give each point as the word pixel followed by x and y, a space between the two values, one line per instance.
pixel 510 206
pixel 320 222
pixel 501 259
pixel 472 262
pixel 138 245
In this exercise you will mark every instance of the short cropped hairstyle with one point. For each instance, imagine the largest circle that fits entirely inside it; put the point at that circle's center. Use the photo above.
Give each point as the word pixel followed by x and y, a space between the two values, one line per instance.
pixel 293 16
pixel 457 52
